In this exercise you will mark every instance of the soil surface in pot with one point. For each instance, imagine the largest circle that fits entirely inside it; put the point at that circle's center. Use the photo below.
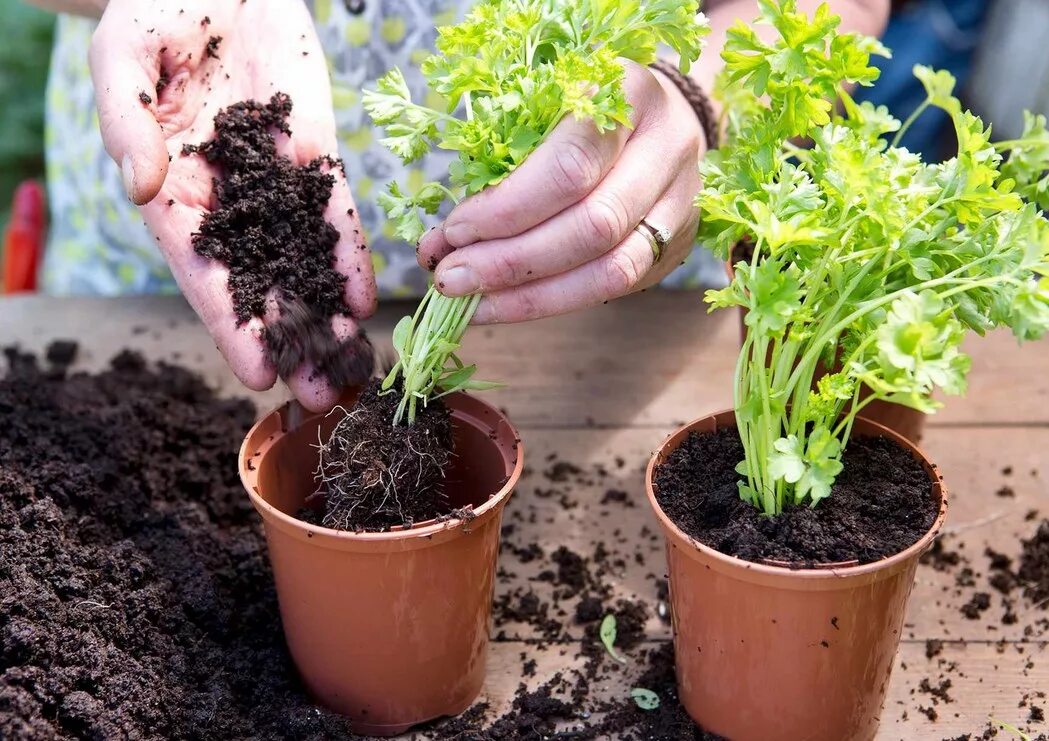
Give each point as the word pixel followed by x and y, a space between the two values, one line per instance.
pixel 268 227
pixel 374 474
pixel 880 505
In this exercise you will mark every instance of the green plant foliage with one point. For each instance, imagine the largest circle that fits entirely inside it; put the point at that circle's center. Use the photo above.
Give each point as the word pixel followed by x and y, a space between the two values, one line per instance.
pixel 511 71
pixel 607 633
pixel 866 257
pixel 24 55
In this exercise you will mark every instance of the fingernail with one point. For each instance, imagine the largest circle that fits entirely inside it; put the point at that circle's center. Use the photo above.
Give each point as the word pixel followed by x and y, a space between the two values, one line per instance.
pixel 457 281
pixel 459 233
pixel 127 170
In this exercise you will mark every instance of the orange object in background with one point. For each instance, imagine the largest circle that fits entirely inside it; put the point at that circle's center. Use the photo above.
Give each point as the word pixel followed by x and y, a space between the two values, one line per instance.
pixel 24 238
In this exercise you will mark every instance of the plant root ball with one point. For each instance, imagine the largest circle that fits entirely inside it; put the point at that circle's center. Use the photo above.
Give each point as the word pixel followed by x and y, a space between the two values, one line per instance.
pixel 374 475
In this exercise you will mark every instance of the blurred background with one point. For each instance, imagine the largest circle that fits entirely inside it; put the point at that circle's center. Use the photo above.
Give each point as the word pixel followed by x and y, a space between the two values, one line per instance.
pixel 24 55
pixel 996 49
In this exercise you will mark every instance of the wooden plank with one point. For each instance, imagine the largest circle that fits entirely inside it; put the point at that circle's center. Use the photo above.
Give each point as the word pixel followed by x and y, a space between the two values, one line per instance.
pixel 650 360
pixel 987 682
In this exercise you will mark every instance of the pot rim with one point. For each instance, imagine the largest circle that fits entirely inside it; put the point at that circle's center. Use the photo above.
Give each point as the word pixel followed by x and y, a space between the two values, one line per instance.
pixel 424 529
pixel 823 573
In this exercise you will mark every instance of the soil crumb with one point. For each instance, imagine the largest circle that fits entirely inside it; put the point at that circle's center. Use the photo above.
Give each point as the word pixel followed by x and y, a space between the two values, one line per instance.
pixel 374 474
pixel 136 600
pixel 268 224
pixel 880 504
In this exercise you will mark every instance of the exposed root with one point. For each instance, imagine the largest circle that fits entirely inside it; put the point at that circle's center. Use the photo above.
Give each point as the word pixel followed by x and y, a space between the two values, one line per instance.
pixel 374 475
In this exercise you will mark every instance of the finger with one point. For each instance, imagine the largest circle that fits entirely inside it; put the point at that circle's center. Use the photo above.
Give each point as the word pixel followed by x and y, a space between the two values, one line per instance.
pixel 204 283
pixel 352 256
pixel 627 267
pixel 578 234
pixel 124 69
pixel 564 169
pixel 432 248
pixel 311 387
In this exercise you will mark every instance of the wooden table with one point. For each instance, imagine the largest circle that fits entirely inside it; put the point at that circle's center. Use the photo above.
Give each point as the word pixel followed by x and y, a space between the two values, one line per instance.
pixel 608 384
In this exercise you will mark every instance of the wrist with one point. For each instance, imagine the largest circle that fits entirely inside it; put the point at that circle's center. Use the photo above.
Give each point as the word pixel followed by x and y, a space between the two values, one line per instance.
pixel 694 97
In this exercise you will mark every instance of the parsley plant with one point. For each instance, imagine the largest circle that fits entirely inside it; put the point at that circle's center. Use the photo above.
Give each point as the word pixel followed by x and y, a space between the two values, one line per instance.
pixel 511 70
pixel 866 258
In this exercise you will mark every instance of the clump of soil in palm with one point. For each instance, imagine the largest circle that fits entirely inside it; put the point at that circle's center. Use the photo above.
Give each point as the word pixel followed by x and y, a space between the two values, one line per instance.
pixel 267 225
pixel 374 474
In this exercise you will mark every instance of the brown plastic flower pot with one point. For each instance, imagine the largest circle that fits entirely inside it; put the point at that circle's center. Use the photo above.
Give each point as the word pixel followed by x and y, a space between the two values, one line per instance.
pixel 387 628
pixel 901 419
pixel 766 652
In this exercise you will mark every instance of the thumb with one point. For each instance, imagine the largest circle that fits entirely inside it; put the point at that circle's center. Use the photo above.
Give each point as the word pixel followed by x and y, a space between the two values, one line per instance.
pixel 125 93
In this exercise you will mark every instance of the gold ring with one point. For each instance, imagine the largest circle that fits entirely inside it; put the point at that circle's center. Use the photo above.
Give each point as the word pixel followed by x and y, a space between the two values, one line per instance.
pixel 658 237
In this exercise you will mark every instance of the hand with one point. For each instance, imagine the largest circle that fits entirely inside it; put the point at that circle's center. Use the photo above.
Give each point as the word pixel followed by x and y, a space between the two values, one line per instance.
pixel 559 233
pixel 266 47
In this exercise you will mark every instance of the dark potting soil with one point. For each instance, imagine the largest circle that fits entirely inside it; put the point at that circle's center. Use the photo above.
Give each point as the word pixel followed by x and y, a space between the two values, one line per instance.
pixel 267 226
pixel 880 504
pixel 1034 566
pixel 302 335
pixel 668 722
pixel 136 600
pixel 373 474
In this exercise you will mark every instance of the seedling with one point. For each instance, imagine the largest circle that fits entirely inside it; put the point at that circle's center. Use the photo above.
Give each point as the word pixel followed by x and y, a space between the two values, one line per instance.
pixel 511 71
pixel 645 699
pixel 1011 729
pixel 608 637
pixel 866 258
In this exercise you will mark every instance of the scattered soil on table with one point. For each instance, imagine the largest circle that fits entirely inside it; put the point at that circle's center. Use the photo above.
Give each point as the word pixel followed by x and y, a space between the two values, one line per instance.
pixel 268 227
pixel 880 505
pixel 626 721
pixel 980 602
pixel 136 600
pixel 1034 566
pixel 373 474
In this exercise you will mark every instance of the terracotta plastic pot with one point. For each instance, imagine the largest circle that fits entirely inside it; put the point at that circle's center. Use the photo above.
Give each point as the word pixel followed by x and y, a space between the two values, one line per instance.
pixel 766 652
pixel 906 421
pixel 390 628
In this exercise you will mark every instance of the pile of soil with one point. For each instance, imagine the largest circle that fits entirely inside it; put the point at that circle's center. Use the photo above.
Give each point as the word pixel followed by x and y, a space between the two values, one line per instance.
pixel 267 226
pixel 880 504
pixel 136 600
pixel 374 474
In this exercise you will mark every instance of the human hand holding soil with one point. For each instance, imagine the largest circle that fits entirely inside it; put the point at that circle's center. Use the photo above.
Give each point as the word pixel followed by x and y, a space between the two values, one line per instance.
pixel 162 72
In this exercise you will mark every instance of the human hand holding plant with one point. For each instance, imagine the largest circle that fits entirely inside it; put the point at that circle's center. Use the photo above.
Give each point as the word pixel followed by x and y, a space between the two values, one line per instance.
pixel 161 72
pixel 558 234
pixel 560 80
pixel 865 256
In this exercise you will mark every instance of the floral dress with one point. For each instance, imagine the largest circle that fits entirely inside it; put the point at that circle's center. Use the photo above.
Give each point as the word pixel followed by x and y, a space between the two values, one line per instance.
pixel 98 243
